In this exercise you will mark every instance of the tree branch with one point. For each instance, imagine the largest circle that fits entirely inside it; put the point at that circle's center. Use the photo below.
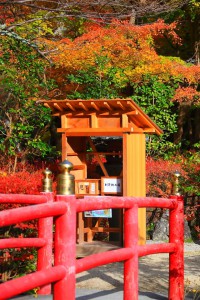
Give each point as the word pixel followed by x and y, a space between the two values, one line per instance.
pixel 6 32
pixel 101 9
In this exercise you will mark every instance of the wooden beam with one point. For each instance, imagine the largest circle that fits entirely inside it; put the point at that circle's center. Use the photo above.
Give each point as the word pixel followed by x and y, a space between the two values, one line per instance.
pixel 129 103
pixel 98 158
pixel 150 130
pixel 95 131
pixel 98 131
pixel 124 121
pixel 83 106
pixel 94 121
pixel 64 146
pixel 132 113
pixel 56 114
pixel 79 113
pixel 64 138
pixel 89 113
pixel 121 105
pixel 107 105
pixel 95 106
pixel 72 154
pixel 58 107
pixel 47 105
pixel 110 113
pixel 70 106
pixel 105 153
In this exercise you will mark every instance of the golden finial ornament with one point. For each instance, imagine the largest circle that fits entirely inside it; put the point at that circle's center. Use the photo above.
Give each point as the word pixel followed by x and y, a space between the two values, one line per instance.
pixel 47 181
pixel 176 187
pixel 65 180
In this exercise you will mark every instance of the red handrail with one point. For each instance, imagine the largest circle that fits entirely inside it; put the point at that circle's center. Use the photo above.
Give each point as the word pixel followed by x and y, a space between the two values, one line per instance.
pixel 65 244
pixel 20 285
pixel 44 242
pixel 24 199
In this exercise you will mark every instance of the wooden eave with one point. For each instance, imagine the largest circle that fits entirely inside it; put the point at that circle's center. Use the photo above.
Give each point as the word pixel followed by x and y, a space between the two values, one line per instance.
pixel 102 108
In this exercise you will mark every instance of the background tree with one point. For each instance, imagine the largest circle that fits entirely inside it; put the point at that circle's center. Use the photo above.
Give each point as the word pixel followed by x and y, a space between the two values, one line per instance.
pixel 122 60
pixel 103 11
pixel 22 123
pixel 110 59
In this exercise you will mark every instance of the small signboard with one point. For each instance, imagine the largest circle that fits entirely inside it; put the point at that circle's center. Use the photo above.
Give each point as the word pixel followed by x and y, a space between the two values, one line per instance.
pixel 111 185
pixel 87 187
pixel 102 213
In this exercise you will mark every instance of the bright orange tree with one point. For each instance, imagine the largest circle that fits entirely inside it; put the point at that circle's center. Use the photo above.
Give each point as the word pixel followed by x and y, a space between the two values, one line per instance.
pixel 131 50
pixel 122 60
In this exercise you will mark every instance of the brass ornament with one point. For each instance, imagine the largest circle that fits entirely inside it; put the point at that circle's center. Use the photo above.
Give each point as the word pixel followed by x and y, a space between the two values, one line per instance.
pixel 47 181
pixel 65 180
pixel 176 185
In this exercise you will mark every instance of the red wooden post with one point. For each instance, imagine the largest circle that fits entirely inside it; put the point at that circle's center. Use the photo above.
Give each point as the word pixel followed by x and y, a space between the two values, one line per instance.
pixel 131 265
pixel 176 258
pixel 65 249
pixel 45 231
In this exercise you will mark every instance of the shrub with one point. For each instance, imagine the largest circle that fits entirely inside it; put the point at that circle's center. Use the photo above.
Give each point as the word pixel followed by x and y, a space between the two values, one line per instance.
pixel 18 261
pixel 160 177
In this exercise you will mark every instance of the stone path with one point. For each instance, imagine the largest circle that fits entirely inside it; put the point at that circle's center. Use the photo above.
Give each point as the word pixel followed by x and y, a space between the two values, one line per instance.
pixel 106 282
pixel 153 274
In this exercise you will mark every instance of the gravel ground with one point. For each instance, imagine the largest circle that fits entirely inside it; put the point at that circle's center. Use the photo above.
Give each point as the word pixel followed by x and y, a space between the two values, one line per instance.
pixel 153 273
pixel 106 282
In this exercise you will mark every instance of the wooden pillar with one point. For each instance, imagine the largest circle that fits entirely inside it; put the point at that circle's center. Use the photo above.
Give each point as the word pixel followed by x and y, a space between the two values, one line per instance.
pixel 134 174
pixel 64 138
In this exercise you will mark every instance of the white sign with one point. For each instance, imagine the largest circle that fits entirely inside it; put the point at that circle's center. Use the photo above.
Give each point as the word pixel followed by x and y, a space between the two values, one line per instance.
pixel 112 185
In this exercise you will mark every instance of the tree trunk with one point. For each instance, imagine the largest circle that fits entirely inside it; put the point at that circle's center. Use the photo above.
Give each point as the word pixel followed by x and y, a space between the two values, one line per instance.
pixel 197 52
pixel 183 115
pixel 133 17
pixel 197 40
pixel 196 125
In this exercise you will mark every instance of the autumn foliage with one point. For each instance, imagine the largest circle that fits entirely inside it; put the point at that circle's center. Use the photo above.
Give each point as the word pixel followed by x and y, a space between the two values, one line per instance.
pixel 42 56
pixel 16 261
pixel 21 182
pixel 132 49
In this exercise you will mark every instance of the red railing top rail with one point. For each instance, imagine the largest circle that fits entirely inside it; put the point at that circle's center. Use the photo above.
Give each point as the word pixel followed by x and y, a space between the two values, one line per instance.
pixel 106 202
pixel 119 202
pixel 22 214
pixel 22 199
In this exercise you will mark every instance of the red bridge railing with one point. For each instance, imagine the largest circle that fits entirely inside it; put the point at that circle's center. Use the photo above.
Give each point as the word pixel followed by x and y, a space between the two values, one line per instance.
pixel 65 266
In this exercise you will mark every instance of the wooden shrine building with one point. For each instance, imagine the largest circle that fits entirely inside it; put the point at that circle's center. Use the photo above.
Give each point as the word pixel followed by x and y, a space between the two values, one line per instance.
pixel 120 125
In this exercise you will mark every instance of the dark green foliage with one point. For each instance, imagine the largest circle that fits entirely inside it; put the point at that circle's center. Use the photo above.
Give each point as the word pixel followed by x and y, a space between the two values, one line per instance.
pixel 154 97
pixel 99 81
pixel 22 122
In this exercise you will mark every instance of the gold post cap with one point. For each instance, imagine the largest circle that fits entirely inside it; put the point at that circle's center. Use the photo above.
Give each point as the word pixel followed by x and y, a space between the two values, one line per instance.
pixel 177 174
pixel 47 172
pixel 65 180
pixel 176 187
pixel 66 164
pixel 47 181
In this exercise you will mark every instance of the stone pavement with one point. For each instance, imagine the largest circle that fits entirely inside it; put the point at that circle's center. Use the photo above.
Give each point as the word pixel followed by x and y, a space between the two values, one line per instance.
pixel 106 282
pixel 83 294
pixel 153 273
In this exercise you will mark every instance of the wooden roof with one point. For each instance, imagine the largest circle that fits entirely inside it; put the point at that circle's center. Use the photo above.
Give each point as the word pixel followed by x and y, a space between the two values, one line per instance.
pixel 133 119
